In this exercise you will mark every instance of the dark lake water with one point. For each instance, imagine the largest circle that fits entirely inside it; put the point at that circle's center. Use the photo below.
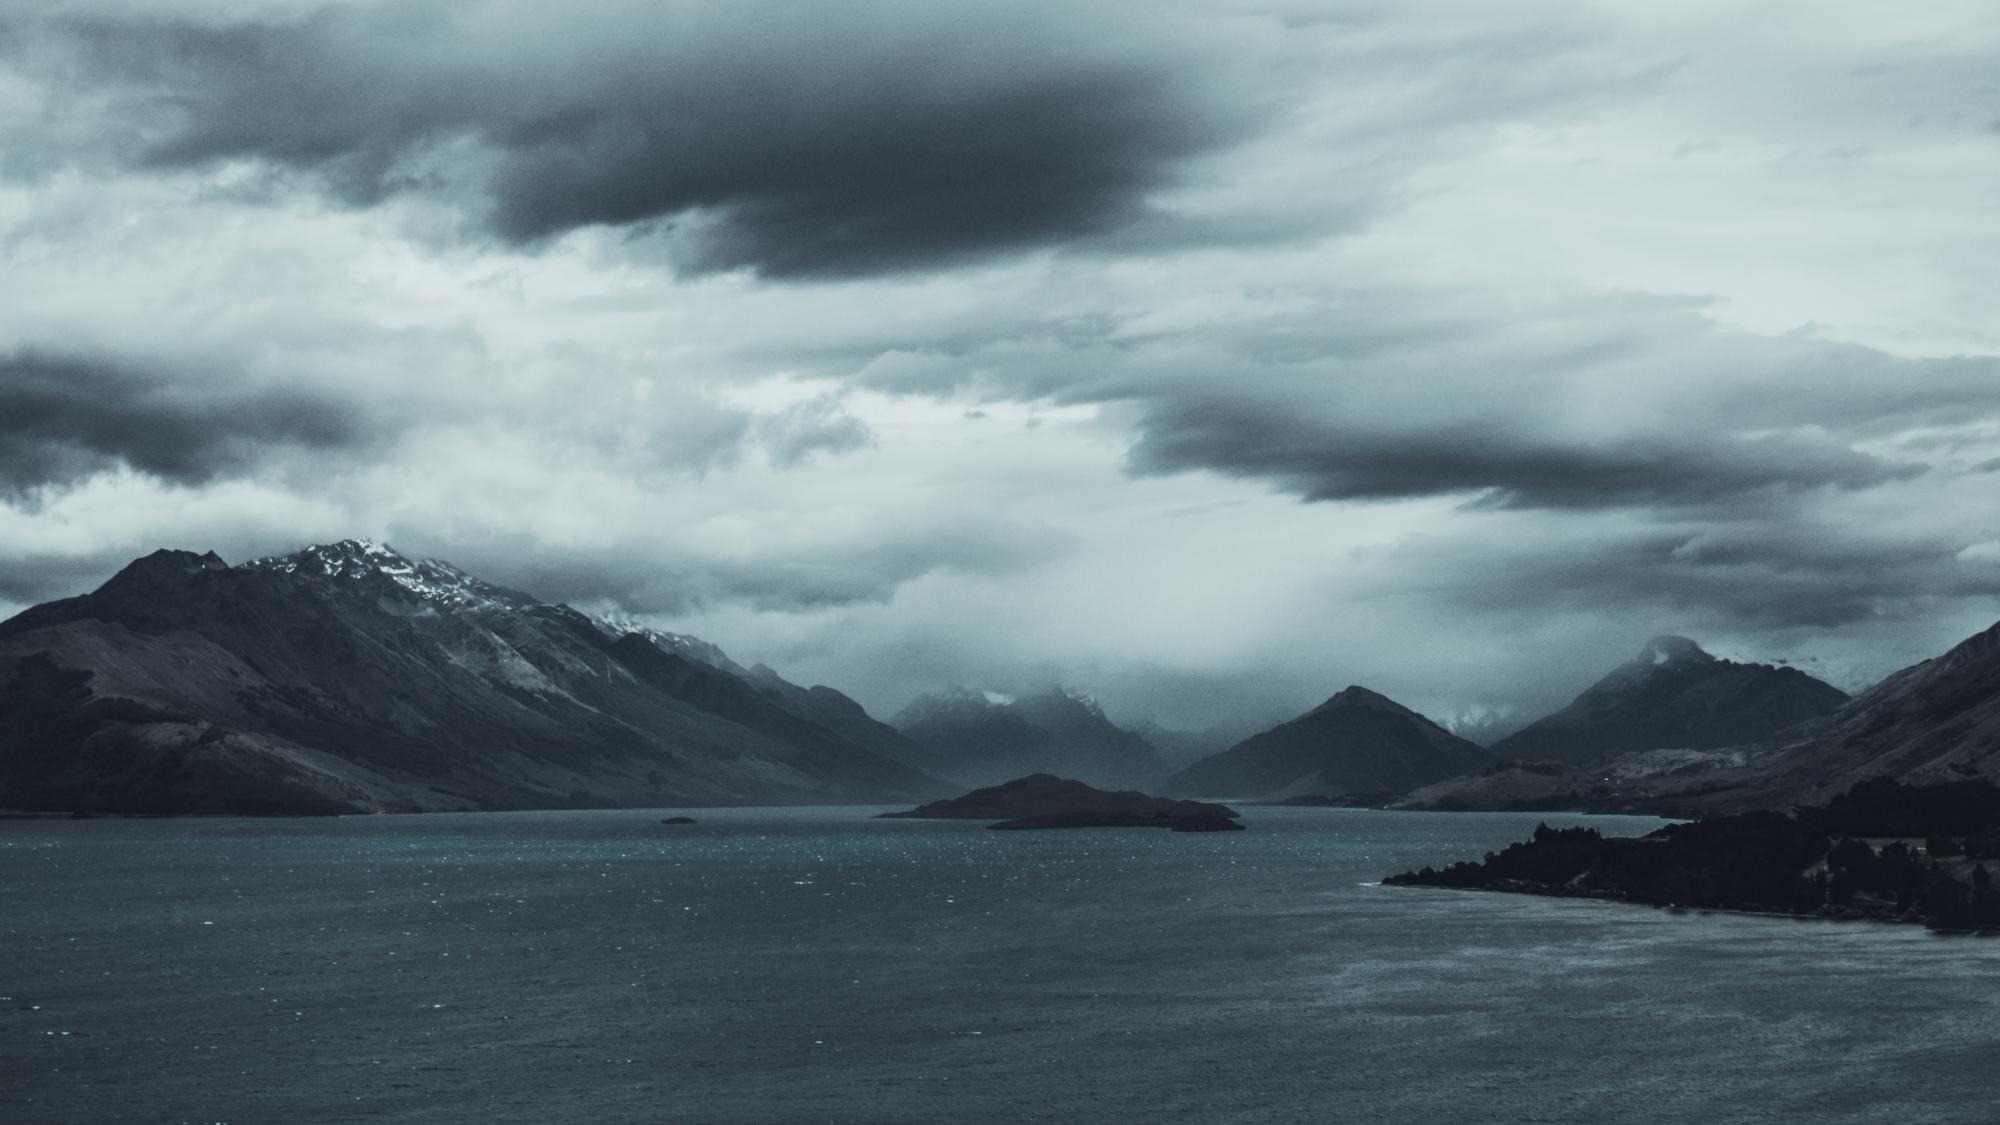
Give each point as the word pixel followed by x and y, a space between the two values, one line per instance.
pixel 806 965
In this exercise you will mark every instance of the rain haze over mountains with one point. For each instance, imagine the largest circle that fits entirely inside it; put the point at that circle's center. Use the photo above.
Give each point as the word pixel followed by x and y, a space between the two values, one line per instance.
pixel 1205 358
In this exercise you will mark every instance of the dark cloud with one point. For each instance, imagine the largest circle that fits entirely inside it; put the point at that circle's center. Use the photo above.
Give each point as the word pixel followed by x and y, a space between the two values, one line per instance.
pixel 793 139
pixel 1321 459
pixel 63 418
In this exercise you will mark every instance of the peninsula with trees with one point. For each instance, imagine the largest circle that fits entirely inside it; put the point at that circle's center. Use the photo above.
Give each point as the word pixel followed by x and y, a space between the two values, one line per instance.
pixel 1882 851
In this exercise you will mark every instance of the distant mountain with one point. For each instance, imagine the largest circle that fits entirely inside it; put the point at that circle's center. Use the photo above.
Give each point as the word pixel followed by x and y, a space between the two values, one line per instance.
pixel 1484 726
pixel 980 738
pixel 348 677
pixel 1182 748
pixel 1356 742
pixel 1673 695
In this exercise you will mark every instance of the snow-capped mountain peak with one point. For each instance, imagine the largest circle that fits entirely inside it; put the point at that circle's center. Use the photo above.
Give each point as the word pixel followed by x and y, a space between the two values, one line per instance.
pixel 432 580
pixel 348 558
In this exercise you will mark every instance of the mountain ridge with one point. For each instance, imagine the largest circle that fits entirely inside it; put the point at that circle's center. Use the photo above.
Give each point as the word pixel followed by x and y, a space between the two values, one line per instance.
pixel 348 677
pixel 1935 721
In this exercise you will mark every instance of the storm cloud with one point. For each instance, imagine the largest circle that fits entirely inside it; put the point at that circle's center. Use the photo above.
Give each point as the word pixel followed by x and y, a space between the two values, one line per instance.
pixel 798 140
pixel 1328 461
pixel 64 418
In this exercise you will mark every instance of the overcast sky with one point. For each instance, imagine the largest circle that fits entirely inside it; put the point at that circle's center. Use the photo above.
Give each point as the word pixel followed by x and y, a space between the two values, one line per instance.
pixel 1208 357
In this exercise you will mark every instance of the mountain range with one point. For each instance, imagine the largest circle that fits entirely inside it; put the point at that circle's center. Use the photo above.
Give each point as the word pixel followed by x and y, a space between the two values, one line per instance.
pixel 979 738
pixel 1938 720
pixel 347 677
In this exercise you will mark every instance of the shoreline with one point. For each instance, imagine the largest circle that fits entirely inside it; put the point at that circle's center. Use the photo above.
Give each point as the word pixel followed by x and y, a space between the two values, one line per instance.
pixel 1674 908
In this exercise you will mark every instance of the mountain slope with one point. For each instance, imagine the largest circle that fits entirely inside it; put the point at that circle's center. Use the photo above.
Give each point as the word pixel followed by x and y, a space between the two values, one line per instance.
pixel 818 703
pixel 1356 742
pixel 347 677
pixel 978 739
pixel 837 712
pixel 1673 695
pixel 1932 722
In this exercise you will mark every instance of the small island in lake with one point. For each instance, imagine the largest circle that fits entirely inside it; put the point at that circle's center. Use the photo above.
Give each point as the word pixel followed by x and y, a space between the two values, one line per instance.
pixel 1883 851
pixel 1044 800
pixel 1372 800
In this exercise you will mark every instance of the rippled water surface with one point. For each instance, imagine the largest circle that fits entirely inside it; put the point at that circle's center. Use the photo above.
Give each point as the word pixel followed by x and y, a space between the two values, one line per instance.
pixel 804 965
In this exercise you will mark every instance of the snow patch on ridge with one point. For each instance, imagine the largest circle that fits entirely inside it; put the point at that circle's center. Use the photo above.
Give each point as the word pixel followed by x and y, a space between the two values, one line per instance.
pixel 434 581
pixel 614 624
